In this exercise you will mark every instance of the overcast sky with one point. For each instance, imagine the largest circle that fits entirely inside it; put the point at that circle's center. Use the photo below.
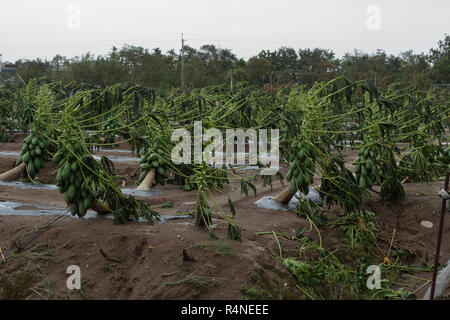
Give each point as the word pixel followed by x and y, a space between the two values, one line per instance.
pixel 43 28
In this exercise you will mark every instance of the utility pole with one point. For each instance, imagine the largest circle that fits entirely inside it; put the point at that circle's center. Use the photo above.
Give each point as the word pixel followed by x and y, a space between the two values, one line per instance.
pixel 182 63
pixel 231 79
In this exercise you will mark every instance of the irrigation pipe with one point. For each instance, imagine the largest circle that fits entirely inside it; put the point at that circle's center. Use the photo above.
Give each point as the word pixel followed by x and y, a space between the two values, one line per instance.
pixel 439 239
pixel 21 245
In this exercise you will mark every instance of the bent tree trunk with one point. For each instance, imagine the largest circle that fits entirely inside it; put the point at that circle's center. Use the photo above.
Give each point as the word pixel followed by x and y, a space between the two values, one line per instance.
pixel 146 184
pixel 284 196
pixel 101 207
pixel 13 174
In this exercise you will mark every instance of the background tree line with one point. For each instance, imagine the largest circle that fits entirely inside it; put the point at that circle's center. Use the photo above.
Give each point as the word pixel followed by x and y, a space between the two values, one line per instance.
pixel 211 65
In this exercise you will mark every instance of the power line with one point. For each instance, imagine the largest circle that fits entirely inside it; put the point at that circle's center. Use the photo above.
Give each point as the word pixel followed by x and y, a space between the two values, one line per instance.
pixel 214 38
pixel 182 62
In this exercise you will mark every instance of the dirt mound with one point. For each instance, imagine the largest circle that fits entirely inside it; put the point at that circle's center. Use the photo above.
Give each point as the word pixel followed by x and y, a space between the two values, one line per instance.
pixel 176 260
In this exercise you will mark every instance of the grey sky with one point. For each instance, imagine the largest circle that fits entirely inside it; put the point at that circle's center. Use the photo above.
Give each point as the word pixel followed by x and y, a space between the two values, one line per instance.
pixel 39 28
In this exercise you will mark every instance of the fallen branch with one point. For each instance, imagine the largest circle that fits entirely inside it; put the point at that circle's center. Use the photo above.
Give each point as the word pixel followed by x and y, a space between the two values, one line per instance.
pixel 3 257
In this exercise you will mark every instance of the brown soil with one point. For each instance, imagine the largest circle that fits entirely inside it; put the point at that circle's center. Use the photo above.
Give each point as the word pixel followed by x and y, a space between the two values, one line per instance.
pixel 140 261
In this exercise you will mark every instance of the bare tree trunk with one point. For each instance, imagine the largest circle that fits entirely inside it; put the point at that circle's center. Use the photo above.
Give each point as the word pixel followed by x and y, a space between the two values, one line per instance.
pixel 284 196
pixel 146 184
pixel 13 174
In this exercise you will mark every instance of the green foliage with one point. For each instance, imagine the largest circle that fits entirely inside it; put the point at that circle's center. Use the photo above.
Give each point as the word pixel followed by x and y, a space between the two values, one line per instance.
pixel 359 229
pixel 211 66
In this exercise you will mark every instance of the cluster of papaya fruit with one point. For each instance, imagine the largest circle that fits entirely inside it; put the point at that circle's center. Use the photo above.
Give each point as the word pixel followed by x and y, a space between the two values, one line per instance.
pixel 301 171
pixel 75 180
pixel 34 152
pixel 152 158
pixel 366 170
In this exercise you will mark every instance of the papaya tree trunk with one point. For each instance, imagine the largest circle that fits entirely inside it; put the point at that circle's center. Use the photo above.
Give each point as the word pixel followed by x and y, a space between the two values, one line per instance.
pixel 13 174
pixel 146 184
pixel 284 196
pixel 101 207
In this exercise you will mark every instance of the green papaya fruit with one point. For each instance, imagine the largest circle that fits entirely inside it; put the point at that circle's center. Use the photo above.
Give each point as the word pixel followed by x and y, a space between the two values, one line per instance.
pixel 37 162
pixel 71 192
pixel 62 162
pixel 146 166
pixel 369 182
pixel 362 183
pixel 363 171
pixel 74 166
pixel 26 157
pixel 88 201
pixel 66 171
pixel 289 175
pixel 299 179
pixel 162 172
pixel 295 171
pixel 143 159
pixel 56 157
pixel 31 169
pixel 58 176
pixel 308 178
pixel 307 162
pixel 293 186
pixel 153 157
pixel 142 175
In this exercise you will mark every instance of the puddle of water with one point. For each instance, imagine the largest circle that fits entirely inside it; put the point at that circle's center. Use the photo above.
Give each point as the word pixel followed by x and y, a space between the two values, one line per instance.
pixel 9 154
pixel 8 208
pixel 24 185
pixel 143 193
pixel 241 167
pixel 115 150
pixel 118 158
pixel 165 218
pixel 135 159
pixel 96 157
pixel 36 186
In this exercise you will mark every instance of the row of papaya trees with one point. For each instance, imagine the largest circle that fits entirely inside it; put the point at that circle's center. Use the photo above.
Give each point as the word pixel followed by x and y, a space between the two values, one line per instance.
pixel 400 134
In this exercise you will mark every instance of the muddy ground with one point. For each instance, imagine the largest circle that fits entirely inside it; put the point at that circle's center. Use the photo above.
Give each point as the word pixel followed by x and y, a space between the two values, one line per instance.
pixel 140 261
